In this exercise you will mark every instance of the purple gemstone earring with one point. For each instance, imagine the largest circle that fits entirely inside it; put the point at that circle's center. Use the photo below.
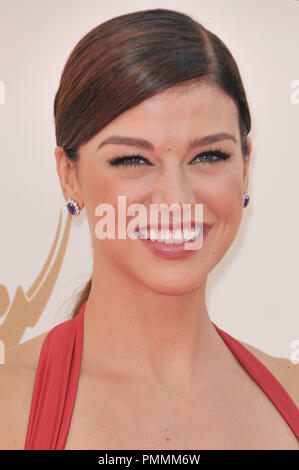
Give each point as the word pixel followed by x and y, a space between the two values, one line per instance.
pixel 246 199
pixel 73 207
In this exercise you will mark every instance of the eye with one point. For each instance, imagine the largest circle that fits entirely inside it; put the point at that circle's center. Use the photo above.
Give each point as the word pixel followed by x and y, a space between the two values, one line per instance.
pixel 208 157
pixel 136 160
pixel 129 160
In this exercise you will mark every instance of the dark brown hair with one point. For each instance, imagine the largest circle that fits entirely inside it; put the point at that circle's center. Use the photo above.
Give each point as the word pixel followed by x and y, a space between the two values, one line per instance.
pixel 130 58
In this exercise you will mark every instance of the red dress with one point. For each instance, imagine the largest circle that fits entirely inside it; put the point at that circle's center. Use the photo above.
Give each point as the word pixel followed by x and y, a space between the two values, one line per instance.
pixel 58 373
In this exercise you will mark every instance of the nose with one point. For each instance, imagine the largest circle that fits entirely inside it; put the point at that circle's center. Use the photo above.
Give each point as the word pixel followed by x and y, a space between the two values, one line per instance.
pixel 173 186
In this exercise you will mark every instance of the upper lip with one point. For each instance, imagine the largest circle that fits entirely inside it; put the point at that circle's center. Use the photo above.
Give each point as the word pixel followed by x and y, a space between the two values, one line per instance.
pixel 172 227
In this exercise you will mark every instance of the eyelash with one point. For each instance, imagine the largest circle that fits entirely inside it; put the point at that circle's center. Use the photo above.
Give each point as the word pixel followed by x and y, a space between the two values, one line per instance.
pixel 119 160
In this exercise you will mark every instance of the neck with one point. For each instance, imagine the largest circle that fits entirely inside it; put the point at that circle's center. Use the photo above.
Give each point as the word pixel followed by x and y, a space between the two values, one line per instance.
pixel 131 331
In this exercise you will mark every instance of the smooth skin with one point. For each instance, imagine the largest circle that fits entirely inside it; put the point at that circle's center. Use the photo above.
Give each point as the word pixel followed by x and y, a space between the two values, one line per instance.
pixel 155 373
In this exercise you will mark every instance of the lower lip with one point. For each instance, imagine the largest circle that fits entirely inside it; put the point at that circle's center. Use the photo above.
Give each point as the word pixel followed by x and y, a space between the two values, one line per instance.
pixel 172 250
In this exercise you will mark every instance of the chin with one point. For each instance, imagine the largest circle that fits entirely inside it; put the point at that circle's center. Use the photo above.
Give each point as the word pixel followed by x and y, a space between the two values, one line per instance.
pixel 179 284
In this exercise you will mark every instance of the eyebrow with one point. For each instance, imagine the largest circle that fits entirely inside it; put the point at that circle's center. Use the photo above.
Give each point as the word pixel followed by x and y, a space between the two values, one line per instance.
pixel 145 144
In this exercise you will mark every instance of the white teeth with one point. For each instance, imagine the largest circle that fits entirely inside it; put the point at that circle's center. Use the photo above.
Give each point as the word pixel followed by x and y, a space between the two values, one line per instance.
pixel 168 236
pixel 141 233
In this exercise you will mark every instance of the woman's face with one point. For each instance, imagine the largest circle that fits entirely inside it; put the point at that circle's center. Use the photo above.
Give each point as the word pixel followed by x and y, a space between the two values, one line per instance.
pixel 169 173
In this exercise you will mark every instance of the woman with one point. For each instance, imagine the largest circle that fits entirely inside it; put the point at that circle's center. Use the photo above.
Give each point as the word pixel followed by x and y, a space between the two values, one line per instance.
pixel 150 106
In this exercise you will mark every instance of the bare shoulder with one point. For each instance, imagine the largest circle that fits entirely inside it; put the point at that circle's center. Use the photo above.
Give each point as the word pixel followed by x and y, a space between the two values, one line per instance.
pixel 17 376
pixel 283 369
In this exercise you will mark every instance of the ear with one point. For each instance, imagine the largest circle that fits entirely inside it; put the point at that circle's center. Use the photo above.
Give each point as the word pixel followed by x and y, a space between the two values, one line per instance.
pixel 246 161
pixel 68 175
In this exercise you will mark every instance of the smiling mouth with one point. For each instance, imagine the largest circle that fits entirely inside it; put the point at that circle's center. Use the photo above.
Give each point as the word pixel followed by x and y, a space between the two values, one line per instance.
pixel 170 237
pixel 172 244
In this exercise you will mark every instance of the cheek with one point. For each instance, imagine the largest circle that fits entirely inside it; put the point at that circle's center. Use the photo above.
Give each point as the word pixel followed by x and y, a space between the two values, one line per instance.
pixel 102 189
pixel 224 196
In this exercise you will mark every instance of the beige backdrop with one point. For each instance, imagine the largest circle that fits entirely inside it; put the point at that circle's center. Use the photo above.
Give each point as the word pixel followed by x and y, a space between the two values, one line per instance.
pixel 45 255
